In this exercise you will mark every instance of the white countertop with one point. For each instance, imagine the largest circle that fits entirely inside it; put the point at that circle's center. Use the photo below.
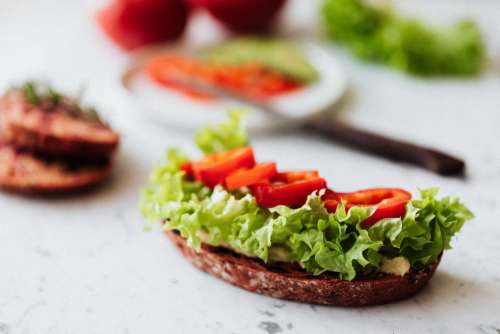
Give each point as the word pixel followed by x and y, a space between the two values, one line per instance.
pixel 84 264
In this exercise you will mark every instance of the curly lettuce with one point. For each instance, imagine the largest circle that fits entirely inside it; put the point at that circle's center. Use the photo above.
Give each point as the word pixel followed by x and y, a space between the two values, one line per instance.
pixel 310 236
pixel 224 136
pixel 378 34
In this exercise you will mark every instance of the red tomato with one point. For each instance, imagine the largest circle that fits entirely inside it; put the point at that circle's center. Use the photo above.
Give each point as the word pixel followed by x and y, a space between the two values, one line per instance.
pixel 194 4
pixel 214 168
pixel 247 177
pixel 290 190
pixel 389 202
pixel 244 16
pixel 134 23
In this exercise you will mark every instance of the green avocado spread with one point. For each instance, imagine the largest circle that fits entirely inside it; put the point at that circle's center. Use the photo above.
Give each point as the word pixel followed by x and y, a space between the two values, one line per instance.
pixel 281 56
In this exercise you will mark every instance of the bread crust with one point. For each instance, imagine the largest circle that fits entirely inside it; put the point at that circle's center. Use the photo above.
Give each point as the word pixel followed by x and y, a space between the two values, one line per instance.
pixel 296 284
pixel 23 172
pixel 53 133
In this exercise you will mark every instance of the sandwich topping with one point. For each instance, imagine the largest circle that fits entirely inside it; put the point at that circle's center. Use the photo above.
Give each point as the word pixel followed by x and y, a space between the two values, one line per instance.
pixel 230 200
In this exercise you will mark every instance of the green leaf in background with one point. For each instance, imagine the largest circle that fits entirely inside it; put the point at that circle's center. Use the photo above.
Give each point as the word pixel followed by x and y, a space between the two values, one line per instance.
pixel 378 34
pixel 281 56
pixel 224 136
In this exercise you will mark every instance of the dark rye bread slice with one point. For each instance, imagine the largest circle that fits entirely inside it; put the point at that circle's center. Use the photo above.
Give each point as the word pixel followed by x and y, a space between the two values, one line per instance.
pixel 28 173
pixel 54 133
pixel 295 284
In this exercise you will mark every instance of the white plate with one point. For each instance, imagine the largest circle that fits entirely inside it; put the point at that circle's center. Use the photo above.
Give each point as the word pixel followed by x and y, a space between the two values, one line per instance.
pixel 173 109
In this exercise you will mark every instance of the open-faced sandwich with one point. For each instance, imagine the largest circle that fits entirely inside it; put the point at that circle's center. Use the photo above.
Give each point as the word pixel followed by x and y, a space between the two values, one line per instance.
pixel 289 234
pixel 50 143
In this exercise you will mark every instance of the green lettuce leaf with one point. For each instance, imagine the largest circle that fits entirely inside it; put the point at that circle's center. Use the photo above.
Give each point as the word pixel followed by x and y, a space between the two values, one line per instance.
pixel 309 236
pixel 224 136
pixel 425 231
pixel 378 34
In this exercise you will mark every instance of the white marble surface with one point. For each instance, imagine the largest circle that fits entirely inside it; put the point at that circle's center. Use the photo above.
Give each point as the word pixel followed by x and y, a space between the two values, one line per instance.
pixel 84 265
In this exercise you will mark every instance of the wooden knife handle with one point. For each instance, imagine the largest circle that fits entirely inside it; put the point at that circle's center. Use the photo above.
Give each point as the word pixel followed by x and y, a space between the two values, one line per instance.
pixel 390 148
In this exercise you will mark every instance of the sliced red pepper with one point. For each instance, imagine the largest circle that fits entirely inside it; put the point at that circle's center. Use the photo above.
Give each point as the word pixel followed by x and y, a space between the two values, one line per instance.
pixel 253 80
pixel 214 168
pixel 293 176
pixel 389 202
pixel 289 188
pixel 289 194
pixel 246 177
pixel 164 70
pixel 187 167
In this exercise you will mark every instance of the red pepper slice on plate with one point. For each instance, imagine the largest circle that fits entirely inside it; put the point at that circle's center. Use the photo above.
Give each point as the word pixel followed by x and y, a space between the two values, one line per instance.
pixel 247 177
pixel 164 70
pixel 213 169
pixel 288 189
pixel 389 202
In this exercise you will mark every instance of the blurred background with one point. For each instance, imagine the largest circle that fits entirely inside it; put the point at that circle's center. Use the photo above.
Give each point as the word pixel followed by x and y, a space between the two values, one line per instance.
pixel 64 43
pixel 67 44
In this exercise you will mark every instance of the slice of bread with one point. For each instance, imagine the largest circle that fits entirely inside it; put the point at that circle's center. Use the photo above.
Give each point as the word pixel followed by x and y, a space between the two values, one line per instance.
pixel 27 173
pixel 53 133
pixel 292 283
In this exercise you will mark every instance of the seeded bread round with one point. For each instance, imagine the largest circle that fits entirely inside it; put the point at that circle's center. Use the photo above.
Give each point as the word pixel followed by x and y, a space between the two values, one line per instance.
pixel 292 283
pixel 53 133
pixel 26 173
